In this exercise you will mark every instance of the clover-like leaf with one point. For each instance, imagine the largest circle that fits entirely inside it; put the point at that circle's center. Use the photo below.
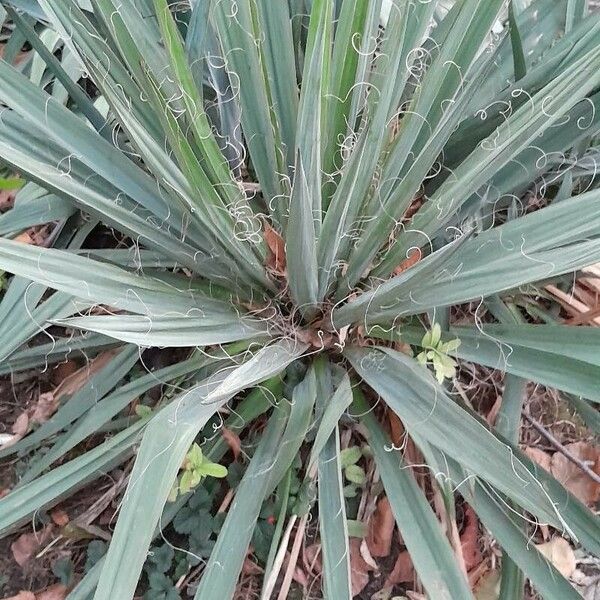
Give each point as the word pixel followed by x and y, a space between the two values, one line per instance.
pixel 355 474
pixel 350 456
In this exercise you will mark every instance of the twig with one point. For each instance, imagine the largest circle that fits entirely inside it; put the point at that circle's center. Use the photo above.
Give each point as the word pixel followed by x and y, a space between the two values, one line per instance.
pixel 545 433
pixel 585 317
pixel 289 573
pixel 271 577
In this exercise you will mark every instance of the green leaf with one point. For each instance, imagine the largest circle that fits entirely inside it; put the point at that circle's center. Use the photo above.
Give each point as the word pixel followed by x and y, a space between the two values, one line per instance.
pixel 521 251
pixel 11 183
pixel 426 410
pixel 332 521
pixel 298 424
pixel 421 531
pixel 209 469
pixel 96 386
pixel 226 560
pixel 194 456
pixel 350 456
pixel 511 137
pixel 501 522
pixel 237 29
pixel 43 210
pixel 516 43
pixel 355 474
pixel 23 502
pixel 435 110
pixel 165 443
pixel 576 10
pixel 280 67
pixel 105 408
pixel 333 411
pixel 104 283
pixel 173 331
pixel 558 356
pixel 304 224
pixel 74 91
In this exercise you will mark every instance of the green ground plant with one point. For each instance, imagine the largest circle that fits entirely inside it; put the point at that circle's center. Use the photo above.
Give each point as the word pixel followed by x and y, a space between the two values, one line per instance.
pixel 298 192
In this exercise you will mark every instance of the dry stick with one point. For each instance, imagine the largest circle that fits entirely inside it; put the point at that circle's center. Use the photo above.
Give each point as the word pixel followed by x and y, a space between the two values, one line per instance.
pixel 585 317
pixel 269 585
pixel 545 433
pixel 287 580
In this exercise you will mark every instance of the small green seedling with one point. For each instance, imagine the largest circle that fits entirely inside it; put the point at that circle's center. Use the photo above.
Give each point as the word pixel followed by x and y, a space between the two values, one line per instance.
pixel 196 467
pixel 436 353
pixel 353 473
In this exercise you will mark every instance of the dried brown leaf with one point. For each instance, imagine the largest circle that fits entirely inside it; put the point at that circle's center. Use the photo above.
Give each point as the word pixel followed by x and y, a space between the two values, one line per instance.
pixel 543 459
pixel 54 592
pixel 25 238
pixel 22 596
pixel 403 571
pixel 469 540
pixel 413 258
pixel 44 408
pixel 559 552
pixel 276 259
pixel 59 517
pixel 19 429
pixel 233 441
pixel 63 370
pixel 488 587
pixel 312 559
pixel 581 485
pixel 7 199
pixel 251 568
pixel 79 378
pixel 381 529
pixel 359 569
pixel 27 544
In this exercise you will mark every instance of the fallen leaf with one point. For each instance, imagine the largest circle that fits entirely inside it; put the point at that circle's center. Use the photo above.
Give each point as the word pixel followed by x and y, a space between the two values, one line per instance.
pixel 54 592
pixel 276 259
pixel 63 370
pixel 22 596
pixel 493 412
pixel 581 485
pixel 367 557
pixel 24 238
pixel 19 429
pixel 251 568
pixel 44 408
pixel 312 559
pixel 559 552
pixel 381 529
pixel 413 258
pixel 59 517
pixel 488 587
pixel 79 378
pixel 7 197
pixel 232 440
pixel 397 431
pixel 403 571
pixel 469 539
pixel 543 459
pixel 359 569
pixel 27 544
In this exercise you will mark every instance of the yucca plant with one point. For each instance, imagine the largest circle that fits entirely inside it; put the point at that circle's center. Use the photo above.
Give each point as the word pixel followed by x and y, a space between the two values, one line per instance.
pixel 302 190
